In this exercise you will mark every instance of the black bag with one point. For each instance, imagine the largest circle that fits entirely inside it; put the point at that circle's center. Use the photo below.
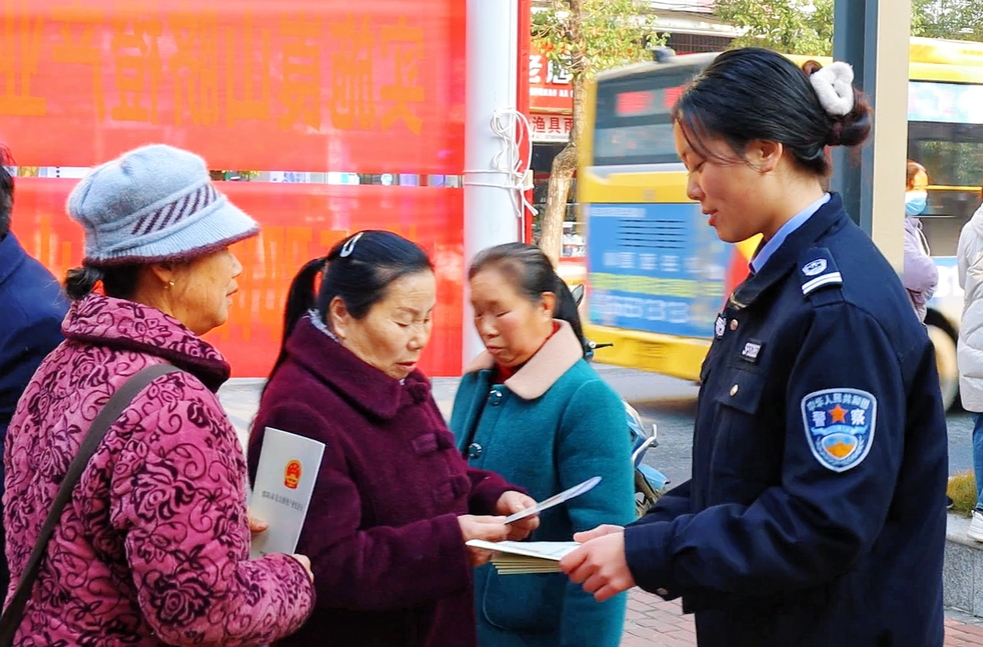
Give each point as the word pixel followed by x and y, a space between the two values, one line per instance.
pixel 12 615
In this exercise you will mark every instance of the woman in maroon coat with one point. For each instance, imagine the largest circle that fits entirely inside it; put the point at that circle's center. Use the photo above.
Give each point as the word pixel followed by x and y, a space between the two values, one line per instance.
pixel 394 501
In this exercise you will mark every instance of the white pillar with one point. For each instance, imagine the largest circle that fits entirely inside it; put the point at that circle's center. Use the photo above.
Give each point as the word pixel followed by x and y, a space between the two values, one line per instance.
pixel 872 35
pixel 491 64
pixel 890 145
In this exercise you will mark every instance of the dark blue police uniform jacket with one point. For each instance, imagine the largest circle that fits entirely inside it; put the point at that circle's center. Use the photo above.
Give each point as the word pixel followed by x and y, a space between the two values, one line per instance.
pixel 32 307
pixel 815 514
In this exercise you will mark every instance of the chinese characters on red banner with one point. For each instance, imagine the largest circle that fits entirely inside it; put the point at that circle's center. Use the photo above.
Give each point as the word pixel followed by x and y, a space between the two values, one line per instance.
pixel 122 71
pixel 20 40
pixel 351 97
pixel 309 85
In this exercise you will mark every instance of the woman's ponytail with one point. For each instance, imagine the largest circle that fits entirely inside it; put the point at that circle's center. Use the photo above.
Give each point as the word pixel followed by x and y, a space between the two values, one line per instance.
pixel 566 309
pixel 80 281
pixel 300 300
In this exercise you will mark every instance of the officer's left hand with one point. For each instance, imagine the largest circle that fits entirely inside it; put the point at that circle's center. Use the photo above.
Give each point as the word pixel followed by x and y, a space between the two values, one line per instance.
pixel 600 565
pixel 512 502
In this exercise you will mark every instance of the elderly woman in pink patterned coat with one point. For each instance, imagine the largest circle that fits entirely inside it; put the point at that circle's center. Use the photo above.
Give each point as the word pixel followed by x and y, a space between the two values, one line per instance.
pixel 153 548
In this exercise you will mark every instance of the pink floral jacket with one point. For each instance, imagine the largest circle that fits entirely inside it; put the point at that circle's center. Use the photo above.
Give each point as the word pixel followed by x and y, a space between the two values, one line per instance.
pixel 153 548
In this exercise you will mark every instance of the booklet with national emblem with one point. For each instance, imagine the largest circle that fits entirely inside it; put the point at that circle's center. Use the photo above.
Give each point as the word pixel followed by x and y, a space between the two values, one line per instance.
pixel 285 477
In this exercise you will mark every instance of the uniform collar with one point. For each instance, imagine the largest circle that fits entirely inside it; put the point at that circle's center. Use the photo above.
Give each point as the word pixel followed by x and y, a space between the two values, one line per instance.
pixel 12 256
pixel 785 258
pixel 557 356
pixel 365 387
pixel 768 249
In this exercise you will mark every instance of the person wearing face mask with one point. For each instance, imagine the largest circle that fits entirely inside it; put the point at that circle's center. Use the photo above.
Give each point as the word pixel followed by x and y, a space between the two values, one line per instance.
pixel 920 274
pixel 532 409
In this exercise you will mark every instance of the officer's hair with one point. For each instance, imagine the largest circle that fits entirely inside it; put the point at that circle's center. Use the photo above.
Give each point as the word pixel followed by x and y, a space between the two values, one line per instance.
pixel 6 189
pixel 530 272
pixel 754 93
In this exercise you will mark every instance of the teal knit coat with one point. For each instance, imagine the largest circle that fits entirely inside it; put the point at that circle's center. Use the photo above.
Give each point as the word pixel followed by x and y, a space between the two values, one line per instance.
pixel 552 425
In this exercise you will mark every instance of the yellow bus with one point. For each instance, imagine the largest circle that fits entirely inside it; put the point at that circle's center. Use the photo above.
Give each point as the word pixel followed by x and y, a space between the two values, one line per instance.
pixel 657 274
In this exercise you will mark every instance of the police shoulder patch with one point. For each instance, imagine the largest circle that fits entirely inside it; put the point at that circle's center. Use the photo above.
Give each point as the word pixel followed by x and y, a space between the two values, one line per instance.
pixel 817 269
pixel 839 426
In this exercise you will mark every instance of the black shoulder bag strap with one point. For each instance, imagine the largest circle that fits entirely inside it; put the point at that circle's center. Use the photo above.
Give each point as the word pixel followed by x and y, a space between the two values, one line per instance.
pixel 12 615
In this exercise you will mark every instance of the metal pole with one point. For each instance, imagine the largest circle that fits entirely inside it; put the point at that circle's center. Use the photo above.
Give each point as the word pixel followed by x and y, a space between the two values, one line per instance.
pixel 876 43
pixel 491 66
pixel 852 174
pixel 523 100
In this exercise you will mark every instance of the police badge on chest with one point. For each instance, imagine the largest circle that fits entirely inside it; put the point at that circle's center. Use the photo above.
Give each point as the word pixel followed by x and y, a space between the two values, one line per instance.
pixel 720 326
pixel 752 351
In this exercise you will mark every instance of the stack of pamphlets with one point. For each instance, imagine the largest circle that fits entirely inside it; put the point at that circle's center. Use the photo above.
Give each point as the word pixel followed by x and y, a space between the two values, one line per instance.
pixel 524 557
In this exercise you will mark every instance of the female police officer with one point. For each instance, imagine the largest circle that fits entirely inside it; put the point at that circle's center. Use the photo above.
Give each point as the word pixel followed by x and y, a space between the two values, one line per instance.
pixel 814 514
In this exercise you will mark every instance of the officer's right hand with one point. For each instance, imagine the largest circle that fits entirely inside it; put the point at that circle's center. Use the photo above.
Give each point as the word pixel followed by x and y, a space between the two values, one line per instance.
pixel 600 531
pixel 482 527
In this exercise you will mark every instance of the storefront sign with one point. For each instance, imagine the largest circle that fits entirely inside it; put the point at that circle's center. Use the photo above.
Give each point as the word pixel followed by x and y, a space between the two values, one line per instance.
pixel 550 128
pixel 550 87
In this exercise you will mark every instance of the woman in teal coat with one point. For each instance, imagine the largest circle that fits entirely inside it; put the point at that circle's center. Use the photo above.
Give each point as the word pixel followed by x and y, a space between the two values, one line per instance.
pixel 531 409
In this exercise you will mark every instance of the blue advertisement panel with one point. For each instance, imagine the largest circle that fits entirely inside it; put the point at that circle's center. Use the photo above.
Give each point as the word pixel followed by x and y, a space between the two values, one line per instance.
pixel 655 267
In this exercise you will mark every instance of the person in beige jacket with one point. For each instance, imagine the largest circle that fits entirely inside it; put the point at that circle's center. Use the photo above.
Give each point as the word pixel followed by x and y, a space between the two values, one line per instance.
pixel 969 254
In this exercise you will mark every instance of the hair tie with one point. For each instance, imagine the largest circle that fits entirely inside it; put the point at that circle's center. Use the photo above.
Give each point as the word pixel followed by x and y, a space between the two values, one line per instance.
pixel 834 87
pixel 349 246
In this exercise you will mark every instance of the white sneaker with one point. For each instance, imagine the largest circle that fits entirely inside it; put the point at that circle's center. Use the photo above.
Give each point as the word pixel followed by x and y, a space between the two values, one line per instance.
pixel 975 531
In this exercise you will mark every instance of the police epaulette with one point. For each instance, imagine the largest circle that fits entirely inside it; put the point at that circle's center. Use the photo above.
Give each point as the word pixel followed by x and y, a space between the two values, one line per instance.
pixel 818 270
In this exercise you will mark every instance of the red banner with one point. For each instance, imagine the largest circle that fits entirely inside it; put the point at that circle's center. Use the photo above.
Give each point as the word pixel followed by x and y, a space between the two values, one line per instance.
pixel 300 222
pixel 311 85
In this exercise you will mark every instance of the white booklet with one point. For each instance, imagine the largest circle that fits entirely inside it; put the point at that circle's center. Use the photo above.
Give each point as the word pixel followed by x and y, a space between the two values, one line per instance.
pixel 524 557
pixel 555 500
pixel 285 478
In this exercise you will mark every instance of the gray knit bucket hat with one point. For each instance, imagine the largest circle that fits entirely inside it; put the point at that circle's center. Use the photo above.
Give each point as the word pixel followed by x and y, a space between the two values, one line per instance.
pixel 151 204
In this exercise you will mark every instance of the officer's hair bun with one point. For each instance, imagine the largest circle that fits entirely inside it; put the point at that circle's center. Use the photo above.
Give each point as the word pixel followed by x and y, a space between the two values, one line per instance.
pixel 846 107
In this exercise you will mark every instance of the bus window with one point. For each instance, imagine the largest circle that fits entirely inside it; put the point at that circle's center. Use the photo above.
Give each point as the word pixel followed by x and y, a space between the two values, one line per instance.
pixel 652 143
pixel 953 155
pixel 633 122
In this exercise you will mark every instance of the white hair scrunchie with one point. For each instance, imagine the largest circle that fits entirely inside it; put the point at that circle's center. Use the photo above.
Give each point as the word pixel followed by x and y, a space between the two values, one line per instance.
pixel 834 86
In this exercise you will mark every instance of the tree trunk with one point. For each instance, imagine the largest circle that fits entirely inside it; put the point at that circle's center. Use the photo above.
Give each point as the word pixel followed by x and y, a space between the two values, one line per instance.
pixel 558 192
pixel 565 163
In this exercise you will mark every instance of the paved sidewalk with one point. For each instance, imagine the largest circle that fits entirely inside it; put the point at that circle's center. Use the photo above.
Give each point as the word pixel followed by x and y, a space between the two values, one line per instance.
pixel 651 621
